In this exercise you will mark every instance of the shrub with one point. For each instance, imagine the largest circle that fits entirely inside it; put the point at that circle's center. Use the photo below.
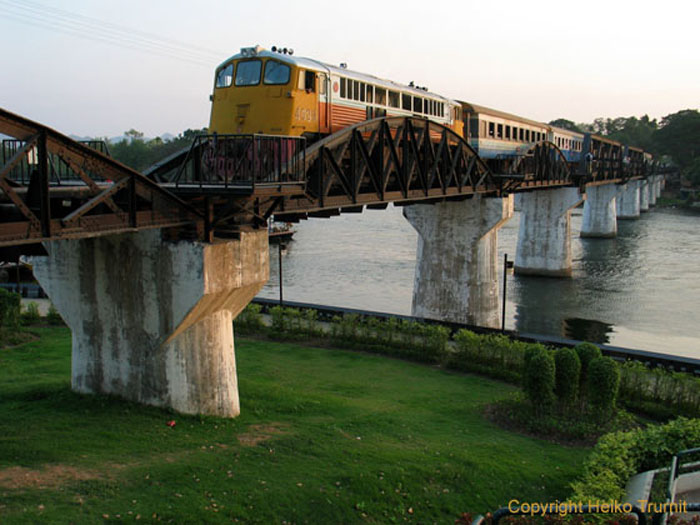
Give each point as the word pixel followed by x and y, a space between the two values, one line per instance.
pixel 53 317
pixel 248 321
pixel 568 370
pixel 539 376
pixel 619 455
pixel 603 385
pixel 587 352
pixel 9 309
pixel 31 314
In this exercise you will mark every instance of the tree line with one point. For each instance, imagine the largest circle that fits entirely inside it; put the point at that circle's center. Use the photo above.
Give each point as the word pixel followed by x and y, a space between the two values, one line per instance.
pixel 675 138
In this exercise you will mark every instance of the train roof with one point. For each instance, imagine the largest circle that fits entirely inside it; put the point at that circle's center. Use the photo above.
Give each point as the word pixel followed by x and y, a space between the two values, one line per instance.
pixel 317 65
pixel 564 131
pixel 475 108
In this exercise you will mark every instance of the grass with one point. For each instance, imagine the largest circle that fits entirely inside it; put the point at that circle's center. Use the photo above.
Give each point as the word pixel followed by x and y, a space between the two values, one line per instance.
pixel 325 436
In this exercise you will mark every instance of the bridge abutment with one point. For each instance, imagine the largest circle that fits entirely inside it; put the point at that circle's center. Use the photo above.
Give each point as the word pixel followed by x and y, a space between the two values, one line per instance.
pixel 151 320
pixel 599 217
pixel 544 238
pixel 628 201
pixel 457 259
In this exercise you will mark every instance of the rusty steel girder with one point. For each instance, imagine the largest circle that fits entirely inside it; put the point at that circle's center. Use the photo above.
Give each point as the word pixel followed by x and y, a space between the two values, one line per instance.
pixel 92 195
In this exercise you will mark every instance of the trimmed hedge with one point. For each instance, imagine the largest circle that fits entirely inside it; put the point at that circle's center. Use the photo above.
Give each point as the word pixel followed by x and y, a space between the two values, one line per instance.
pixel 655 392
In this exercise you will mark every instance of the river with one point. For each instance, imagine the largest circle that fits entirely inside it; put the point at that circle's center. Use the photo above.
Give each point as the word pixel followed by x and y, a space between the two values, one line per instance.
pixel 639 290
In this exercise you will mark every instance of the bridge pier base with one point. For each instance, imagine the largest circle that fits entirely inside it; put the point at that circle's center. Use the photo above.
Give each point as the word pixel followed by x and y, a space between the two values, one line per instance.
pixel 151 320
pixel 457 259
pixel 599 218
pixel 544 239
pixel 643 195
pixel 628 202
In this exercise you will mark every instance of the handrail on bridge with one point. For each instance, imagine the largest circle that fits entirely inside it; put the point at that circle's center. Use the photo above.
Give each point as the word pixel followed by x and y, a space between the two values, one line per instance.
pixel 235 161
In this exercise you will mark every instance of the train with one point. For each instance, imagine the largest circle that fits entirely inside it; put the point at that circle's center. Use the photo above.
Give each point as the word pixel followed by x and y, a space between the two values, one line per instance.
pixel 259 91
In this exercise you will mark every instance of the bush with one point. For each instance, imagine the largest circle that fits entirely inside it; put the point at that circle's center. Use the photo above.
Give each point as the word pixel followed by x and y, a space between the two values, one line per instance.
pixel 249 321
pixel 53 317
pixel 31 314
pixel 620 455
pixel 568 371
pixel 539 376
pixel 603 385
pixel 9 309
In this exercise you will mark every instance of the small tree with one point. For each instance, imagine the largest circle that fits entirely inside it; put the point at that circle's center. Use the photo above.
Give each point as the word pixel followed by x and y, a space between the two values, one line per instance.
pixel 539 378
pixel 587 352
pixel 603 385
pixel 568 371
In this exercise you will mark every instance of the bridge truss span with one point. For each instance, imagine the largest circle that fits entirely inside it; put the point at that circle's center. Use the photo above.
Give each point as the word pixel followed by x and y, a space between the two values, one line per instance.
pixel 52 187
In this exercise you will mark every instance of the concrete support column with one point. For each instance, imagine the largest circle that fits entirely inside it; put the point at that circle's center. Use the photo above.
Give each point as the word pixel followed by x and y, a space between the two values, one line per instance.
pixel 643 195
pixel 653 189
pixel 457 259
pixel 628 203
pixel 599 217
pixel 152 320
pixel 544 239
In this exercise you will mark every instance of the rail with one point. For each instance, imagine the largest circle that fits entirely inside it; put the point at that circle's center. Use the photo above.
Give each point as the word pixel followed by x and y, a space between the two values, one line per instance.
pixel 674 472
pixel 225 162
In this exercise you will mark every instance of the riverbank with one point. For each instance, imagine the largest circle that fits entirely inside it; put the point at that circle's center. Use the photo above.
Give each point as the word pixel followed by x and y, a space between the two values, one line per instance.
pixel 325 436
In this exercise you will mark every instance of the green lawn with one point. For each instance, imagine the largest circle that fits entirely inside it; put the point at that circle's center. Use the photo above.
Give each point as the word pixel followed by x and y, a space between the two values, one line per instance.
pixel 325 436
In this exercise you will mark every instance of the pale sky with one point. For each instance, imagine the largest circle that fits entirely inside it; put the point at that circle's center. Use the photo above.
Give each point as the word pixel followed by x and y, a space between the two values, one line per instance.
pixel 63 64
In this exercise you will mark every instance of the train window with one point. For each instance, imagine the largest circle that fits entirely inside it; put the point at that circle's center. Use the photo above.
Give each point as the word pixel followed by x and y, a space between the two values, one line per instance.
pixel 521 133
pixel 276 73
pixel 248 73
pixel 393 99
pixel 224 77
pixel 527 135
pixel 380 96
pixel 343 88
pixel 499 134
pixel 492 129
pixel 362 91
pixel 405 101
pixel 370 93
pixel 417 105
pixel 355 90
pixel 310 81
pixel 508 132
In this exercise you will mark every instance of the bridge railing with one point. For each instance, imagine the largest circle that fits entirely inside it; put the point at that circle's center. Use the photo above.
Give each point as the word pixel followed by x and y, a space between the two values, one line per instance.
pixel 242 161
pixel 60 171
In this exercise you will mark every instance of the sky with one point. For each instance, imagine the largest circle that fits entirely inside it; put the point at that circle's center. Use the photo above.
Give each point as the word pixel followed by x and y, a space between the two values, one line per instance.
pixel 100 68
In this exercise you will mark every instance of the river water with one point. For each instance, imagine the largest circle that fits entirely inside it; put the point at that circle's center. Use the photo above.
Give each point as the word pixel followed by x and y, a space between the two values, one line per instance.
pixel 639 290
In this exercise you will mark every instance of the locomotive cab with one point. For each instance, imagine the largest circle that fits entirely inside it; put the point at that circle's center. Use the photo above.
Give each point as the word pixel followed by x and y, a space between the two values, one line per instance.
pixel 258 91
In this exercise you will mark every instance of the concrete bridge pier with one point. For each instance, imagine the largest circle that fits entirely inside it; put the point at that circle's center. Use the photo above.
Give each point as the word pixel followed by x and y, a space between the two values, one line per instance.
pixel 628 201
pixel 544 239
pixel 653 191
pixel 151 320
pixel 457 259
pixel 599 217
pixel 643 195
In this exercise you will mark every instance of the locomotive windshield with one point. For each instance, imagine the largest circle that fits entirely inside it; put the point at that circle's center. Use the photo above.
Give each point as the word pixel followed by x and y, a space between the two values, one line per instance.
pixel 248 73
pixel 276 73
pixel 225 77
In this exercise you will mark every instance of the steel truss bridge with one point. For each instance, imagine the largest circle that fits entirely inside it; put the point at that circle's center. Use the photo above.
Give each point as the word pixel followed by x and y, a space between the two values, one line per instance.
pixel 52 187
